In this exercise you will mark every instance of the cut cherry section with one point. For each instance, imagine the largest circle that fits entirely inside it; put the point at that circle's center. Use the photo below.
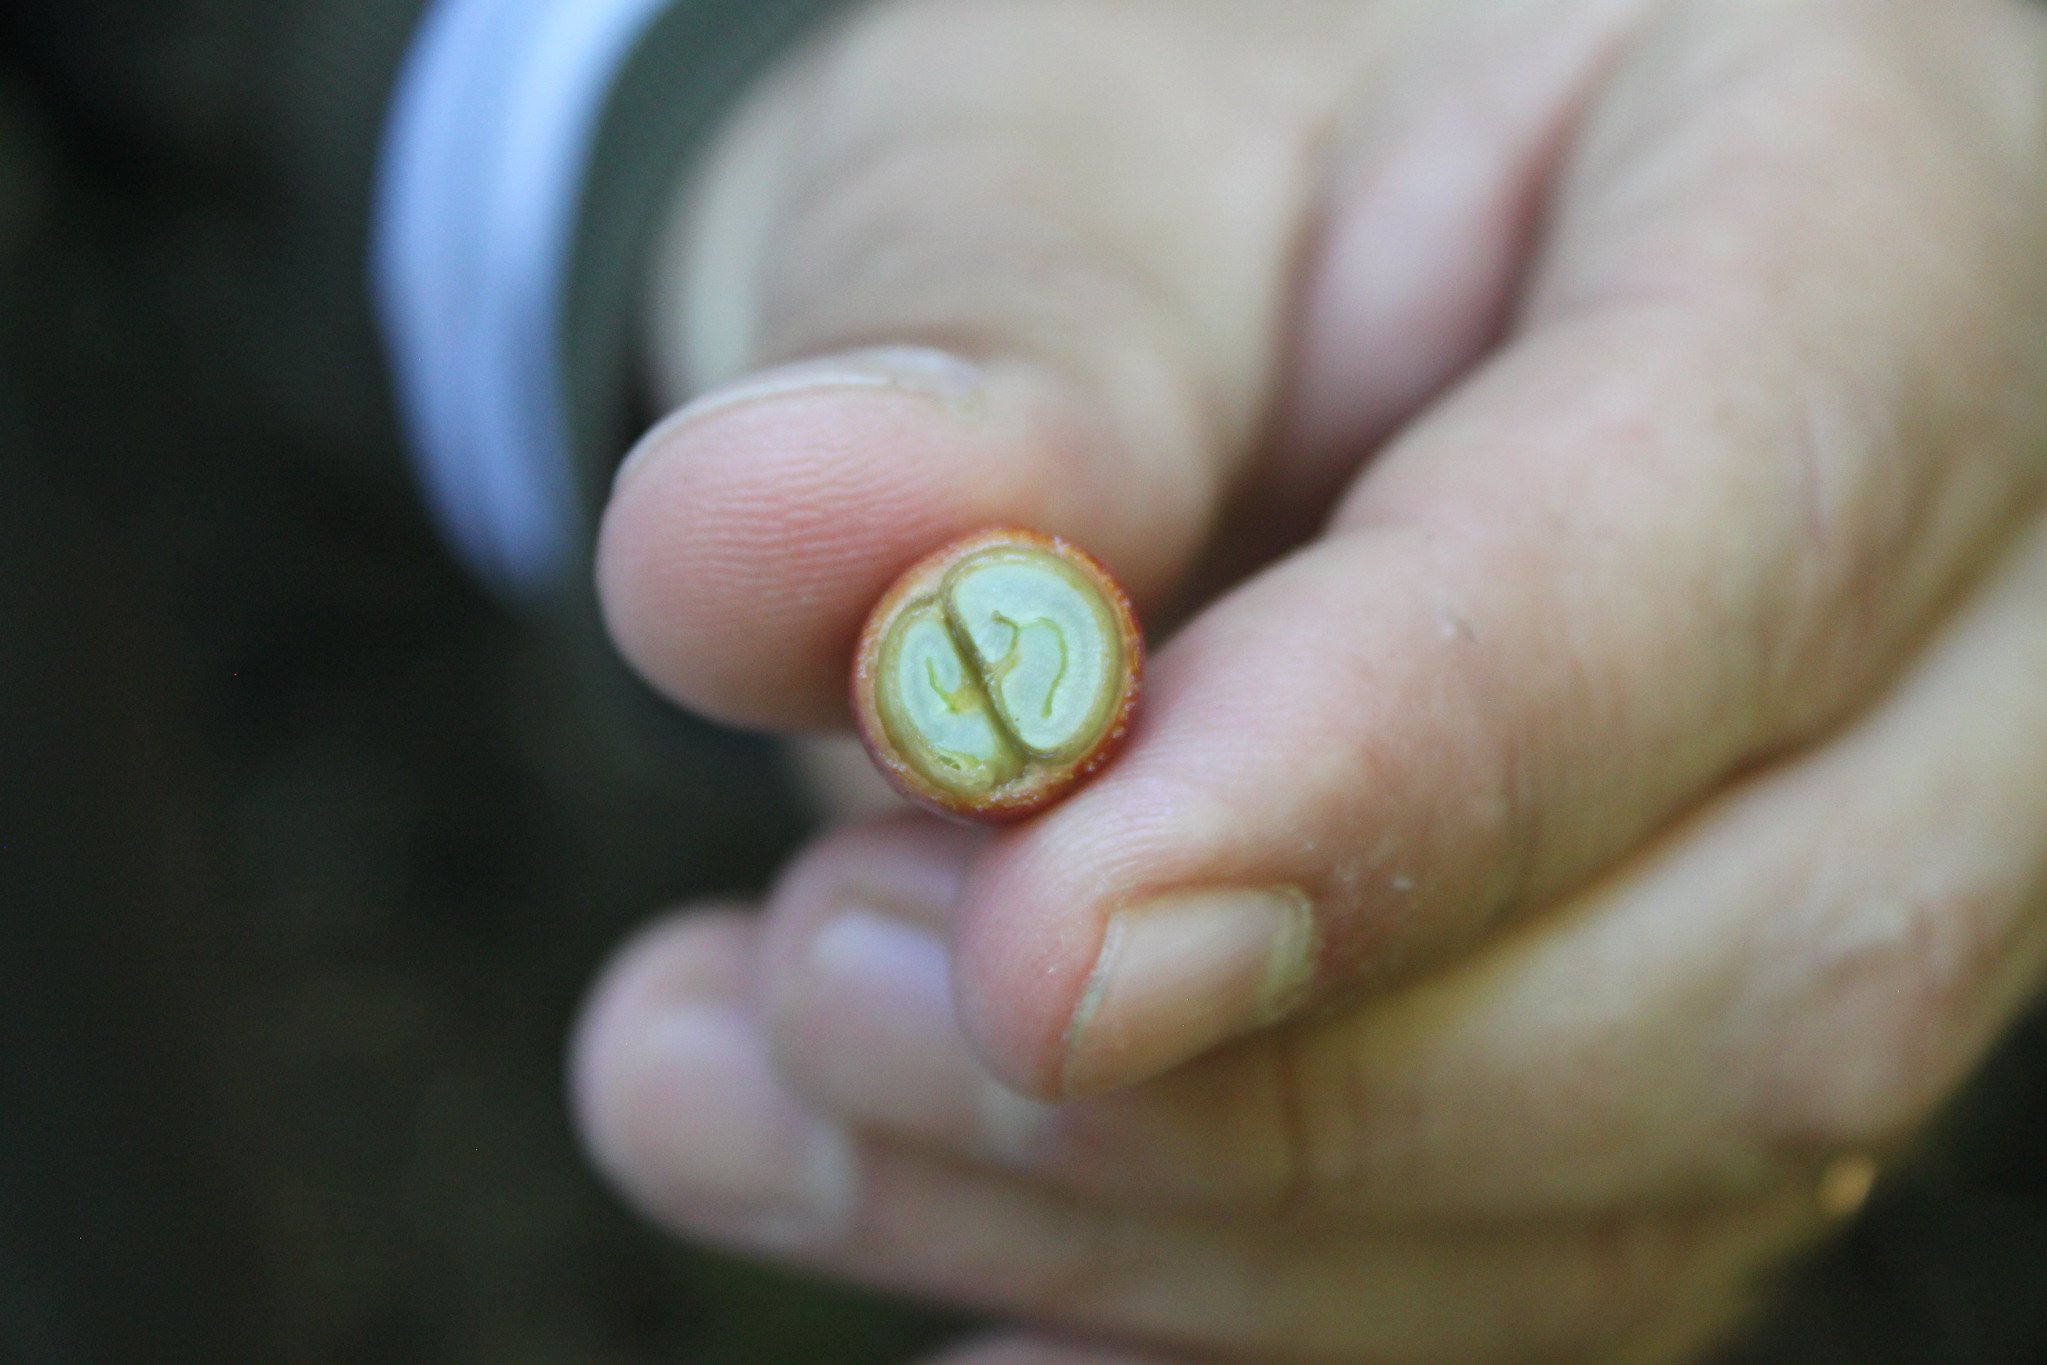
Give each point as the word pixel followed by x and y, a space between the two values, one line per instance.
pixel 997 674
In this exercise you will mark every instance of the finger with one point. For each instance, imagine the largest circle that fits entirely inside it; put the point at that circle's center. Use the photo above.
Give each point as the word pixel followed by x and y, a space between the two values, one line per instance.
pixel 680 1104
pixel 1792 981
pixel 1087 208
pixel 1809 967
pixel 662 1063
pixel 1632 557
pixel 858 991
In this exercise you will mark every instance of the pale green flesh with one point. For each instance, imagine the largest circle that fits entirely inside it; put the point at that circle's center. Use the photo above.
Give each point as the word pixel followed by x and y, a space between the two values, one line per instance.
pixel 1016 659
pixel 1045 645
pixel 937 712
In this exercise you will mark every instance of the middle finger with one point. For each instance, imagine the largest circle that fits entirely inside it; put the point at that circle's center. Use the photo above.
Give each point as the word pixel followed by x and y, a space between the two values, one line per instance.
pixel 1808 967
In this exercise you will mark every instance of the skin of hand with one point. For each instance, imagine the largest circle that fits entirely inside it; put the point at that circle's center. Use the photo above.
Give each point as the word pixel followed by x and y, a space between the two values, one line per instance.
pixel 1590 806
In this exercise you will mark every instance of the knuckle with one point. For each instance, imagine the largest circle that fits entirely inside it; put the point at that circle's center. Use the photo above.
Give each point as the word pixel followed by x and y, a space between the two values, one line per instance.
pixel 1312 1116
pixel 1240 1130
pixel 1634 1280
pixel 1342 1131
pixel 1276 1126
pixel 1884 1024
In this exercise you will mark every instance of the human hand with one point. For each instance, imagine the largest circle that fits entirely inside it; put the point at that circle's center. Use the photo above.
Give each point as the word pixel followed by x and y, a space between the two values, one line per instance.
pixel 1596 449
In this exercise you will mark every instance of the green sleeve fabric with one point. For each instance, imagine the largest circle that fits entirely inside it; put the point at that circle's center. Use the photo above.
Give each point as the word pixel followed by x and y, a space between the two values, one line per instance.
pixel 683 76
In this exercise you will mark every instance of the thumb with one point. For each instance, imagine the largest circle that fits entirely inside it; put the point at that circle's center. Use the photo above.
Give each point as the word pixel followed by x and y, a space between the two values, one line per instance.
pixel 1032 258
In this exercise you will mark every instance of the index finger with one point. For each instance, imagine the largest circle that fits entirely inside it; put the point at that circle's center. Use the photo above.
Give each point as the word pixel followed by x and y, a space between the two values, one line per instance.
pixel 1757 431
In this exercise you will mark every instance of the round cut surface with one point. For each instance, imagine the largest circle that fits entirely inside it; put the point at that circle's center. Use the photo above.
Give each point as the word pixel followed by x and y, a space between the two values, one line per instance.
pixel 997 674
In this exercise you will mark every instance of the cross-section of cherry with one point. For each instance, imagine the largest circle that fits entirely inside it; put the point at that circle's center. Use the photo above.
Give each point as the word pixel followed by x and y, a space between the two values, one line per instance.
pixel 997 674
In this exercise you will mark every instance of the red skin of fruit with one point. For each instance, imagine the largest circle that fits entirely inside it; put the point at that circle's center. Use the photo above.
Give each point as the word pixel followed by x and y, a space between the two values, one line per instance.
pixel 1038 786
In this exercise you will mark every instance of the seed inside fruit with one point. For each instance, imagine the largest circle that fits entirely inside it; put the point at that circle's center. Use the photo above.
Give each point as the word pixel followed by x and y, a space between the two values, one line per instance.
pixel 936 711
pixel 1044 644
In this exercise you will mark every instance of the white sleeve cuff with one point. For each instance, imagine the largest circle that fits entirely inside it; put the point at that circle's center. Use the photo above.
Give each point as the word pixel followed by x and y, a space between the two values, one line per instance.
pixel 484 159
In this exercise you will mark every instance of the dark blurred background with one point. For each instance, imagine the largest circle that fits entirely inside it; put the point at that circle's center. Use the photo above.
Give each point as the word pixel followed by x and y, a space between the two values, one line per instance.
pixel 307 847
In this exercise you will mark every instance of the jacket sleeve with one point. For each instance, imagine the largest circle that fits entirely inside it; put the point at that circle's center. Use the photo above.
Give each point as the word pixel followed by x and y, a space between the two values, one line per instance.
pixel 527 158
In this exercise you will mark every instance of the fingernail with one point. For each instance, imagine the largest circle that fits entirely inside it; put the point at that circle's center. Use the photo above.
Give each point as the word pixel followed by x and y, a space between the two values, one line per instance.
pixel 921 370
pixel 1183 972
pixel 868 1015
pixel 737 1153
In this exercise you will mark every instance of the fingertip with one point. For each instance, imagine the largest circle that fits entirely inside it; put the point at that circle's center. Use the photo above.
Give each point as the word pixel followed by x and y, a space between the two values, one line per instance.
pixel 702 953
pixel 682 1108
pixel 1225 827
pixel 1179 810
pixel 906 862
pixel 1031 925
pixel 748 536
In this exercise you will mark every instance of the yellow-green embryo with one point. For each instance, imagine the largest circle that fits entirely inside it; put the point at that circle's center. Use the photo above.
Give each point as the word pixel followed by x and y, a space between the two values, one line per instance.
pixel 1016 660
